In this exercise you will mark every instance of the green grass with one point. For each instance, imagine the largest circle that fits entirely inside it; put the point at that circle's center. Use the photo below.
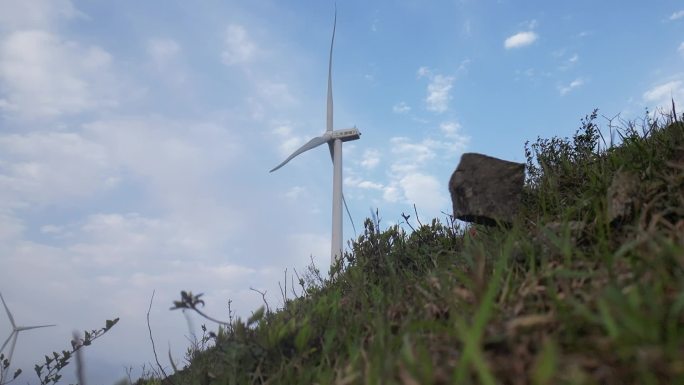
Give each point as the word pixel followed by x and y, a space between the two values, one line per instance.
pixel 561 297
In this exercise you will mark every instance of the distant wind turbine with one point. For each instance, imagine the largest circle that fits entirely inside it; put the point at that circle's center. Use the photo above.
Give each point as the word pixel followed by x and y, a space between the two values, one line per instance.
pixel 334 138
pixel 15 332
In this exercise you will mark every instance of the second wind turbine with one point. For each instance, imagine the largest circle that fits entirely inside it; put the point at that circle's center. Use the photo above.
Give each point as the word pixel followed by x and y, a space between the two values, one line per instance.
pixel 334 138
pixel 13 337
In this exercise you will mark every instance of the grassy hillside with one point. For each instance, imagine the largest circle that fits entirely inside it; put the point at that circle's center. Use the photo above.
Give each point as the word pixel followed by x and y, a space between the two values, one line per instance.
pixel 570 294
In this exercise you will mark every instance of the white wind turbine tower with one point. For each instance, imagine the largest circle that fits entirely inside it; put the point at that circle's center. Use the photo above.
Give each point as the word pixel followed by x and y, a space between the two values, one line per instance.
pixel 334 138
pixel 15 333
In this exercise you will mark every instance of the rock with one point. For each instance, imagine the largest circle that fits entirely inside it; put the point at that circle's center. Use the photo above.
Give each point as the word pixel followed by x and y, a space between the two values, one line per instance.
pixel 622 197
pixel 548 241
pixel 486 190
pixel 550 238
pixel 676 133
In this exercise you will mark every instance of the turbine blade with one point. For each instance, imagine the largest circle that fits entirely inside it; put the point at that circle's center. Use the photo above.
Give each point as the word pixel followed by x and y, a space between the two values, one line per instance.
pixel 349 214
pixel 329 120
pixel 22 328
pixel 7 340
pixel 315 142
pixel 14 343
pixel 9 315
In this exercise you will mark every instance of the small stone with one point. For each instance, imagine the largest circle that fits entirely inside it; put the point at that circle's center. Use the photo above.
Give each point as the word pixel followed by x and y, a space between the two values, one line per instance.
pixel 622 196
pixel 486 190
pixel 547 240
pixel 574 228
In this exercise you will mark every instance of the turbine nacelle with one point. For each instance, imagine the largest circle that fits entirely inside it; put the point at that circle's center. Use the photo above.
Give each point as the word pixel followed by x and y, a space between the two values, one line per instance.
pixel 344 135
pixel 347 134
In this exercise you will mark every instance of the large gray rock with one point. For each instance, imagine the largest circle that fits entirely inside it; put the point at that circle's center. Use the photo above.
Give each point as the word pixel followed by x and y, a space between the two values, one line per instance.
pixel 486 190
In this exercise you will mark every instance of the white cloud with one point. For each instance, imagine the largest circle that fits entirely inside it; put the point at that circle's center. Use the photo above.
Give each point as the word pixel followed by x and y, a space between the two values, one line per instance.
pixel 29 14
pixel 438 93
pixel 110 241
pixel 114 239
pixel 362 184
pixel 167 164
pixel 288 142
pixel 357 182
pixel 467 28
pixel 559 53
pixel 295 192
pixel 239 48
pixel 530 24
pixel 456 141
pixel 414 153
pixel 681 48
pixel 98 263
pixel 289 145
pixel 366 184
pixel 5 105
pixel 166 61
pixel 276 93
pixel 660 96
pixel 451 129
pixel 416 187
pixel 423 72
pixel 401 108
pixel 283 129
pixel 574 84
pixel 677 15
pixel 174 158
pixel 391 193
pixel 51 229
pixel 44 75
pixel 370 159
pixel 189 233
pixel 425 191
pixel 162 50
pixel 306 245
pixel 50 168
pixel 663 91
pixel 438 89
pixel 412 178
pixel 520 39
pixel 569 62
pixel 463 66
pixel 11 228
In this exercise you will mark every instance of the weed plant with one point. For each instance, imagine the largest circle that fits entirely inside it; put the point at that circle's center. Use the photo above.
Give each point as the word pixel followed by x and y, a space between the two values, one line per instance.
pixel 49 371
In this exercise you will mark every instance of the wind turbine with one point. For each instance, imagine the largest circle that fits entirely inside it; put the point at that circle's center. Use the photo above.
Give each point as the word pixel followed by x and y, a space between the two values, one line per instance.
pixel 334 138
pixel 15 332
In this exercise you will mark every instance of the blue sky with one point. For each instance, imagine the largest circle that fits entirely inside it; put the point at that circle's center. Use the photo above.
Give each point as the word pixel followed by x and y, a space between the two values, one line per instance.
pixel 136 137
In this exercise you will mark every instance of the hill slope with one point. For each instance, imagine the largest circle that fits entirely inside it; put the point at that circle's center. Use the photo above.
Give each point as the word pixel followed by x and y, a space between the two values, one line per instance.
pixel 587 287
